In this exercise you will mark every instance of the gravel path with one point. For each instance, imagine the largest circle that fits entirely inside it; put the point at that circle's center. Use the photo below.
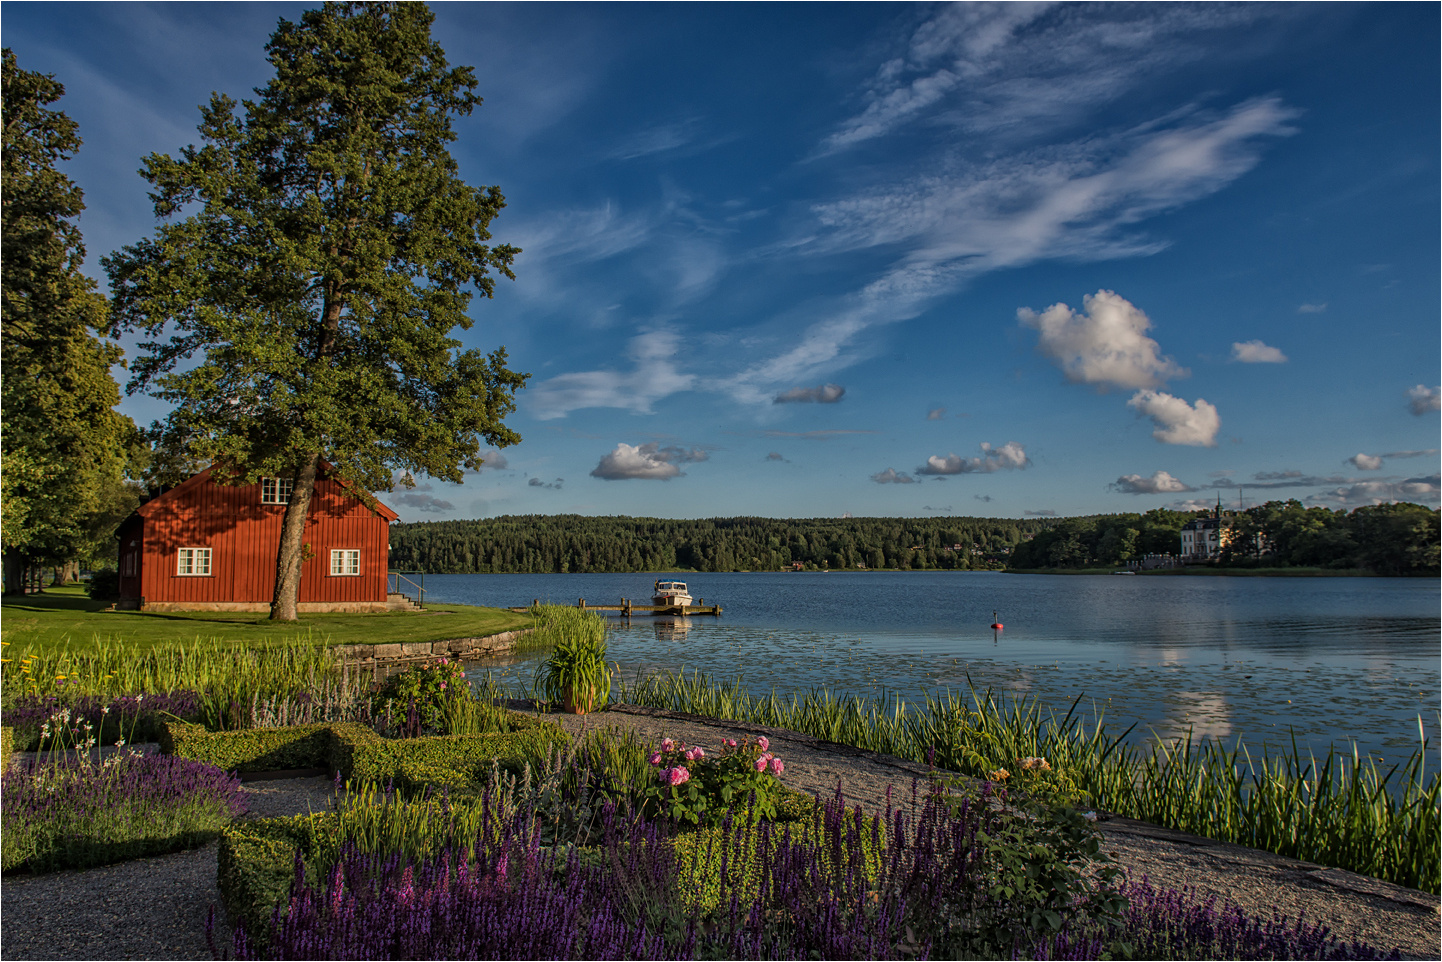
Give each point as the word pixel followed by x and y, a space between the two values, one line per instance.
pixel 156 908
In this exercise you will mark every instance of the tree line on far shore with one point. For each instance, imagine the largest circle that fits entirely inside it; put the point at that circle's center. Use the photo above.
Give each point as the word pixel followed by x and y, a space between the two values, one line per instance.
pixel 1388 539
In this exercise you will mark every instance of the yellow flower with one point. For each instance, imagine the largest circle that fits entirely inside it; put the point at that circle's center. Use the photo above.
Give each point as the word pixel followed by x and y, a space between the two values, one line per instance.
pixel 1000 775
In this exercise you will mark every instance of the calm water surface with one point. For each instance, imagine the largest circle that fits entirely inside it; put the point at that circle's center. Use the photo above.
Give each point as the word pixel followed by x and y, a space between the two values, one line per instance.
pixel 1332 660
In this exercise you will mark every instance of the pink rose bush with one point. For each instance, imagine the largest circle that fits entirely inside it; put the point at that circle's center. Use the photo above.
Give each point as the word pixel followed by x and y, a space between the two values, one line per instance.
pixel 694 788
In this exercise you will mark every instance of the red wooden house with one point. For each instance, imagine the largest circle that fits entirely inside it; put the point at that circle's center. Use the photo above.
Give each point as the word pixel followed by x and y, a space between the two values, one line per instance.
pixel 211 547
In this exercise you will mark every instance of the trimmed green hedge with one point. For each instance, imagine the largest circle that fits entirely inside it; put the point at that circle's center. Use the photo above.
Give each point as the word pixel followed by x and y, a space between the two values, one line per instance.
pixel 459 763
pixel 255 864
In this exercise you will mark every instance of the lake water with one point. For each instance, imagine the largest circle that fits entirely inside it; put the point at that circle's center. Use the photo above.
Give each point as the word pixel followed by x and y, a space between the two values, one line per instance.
pixel 1332 660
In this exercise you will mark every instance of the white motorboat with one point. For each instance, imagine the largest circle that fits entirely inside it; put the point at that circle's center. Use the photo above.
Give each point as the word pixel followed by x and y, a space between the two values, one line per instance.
pixel 671 594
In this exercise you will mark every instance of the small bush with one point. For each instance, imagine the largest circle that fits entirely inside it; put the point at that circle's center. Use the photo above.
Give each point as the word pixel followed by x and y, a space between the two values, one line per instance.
pixel 105 585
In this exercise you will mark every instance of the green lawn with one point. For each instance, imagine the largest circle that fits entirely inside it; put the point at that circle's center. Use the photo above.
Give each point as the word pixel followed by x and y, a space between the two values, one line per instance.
pixel 67 615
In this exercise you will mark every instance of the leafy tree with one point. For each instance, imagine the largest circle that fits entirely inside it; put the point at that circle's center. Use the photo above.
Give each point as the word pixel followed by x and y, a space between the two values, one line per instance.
pixel 64 445
pixel 314 256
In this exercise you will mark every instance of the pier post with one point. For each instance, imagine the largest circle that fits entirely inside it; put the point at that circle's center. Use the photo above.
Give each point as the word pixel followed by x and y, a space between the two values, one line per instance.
pixel 581 603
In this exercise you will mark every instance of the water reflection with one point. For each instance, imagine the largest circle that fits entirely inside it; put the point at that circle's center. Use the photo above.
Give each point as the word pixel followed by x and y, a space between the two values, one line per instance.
pixel 671 629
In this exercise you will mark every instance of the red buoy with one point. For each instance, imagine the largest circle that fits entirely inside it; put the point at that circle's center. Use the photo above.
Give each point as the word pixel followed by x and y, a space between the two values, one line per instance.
pixel 996 625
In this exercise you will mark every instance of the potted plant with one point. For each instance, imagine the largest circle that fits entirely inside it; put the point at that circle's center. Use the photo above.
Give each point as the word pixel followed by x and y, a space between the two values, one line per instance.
pixel 575 675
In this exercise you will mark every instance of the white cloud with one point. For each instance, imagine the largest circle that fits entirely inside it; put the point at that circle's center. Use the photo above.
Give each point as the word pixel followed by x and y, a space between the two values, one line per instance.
pixel 654 376
pixel 1159 483
pixel 1010 456
pixel 936 414
pixel 821 394
pixel 1255 352
pixel 1104 344
pixel 1424 489
pixel 1177 421
pixel 1311 308
pixel 1013 67
pixel 1365 462
pixel 890 476
pixel 646 461
pixel 1422 399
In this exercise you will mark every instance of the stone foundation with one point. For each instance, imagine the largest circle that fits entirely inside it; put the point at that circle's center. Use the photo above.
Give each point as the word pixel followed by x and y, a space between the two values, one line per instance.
pixel 382 657
pixel 304 607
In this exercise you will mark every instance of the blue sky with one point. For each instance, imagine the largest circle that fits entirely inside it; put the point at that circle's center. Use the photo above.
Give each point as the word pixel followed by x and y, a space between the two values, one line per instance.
pixel 891 259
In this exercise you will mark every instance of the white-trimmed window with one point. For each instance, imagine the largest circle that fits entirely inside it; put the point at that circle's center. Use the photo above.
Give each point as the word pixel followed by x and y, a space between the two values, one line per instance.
pixel 345 561
pixel 275 490
pixel 193 561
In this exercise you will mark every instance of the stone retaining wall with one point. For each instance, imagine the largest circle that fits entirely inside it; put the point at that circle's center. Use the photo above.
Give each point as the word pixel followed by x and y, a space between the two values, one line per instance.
pixel 413 652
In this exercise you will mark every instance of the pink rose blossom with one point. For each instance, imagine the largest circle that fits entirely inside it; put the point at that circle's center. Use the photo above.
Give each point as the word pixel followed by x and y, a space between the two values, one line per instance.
pixel 667 745
pixel 776 767
pixel 762 743
pixel 655 758
pixel 695 754
pixel 679 776
pixel 761 764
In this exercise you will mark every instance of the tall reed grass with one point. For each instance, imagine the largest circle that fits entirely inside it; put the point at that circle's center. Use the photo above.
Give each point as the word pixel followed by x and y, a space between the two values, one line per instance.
pixel 1351 813
pixel 232 681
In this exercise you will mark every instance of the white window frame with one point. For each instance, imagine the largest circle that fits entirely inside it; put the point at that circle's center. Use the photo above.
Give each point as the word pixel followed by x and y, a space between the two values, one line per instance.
pixel 345 563
pixel 192 562
pixel 276 490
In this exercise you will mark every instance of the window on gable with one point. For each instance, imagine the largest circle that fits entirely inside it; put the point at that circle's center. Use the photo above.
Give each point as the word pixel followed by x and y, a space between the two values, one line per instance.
pixel 345 561
pixel 275 490
pixel 193 561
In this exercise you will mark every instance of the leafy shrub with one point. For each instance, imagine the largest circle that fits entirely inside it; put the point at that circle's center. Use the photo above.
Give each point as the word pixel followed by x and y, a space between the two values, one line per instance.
pixel 104 584
pixel 427 689
pixel 690 787
pixel 78 815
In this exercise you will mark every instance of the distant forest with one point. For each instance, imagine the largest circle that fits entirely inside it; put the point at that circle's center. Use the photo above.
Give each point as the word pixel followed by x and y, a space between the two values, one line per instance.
pixel 1387 539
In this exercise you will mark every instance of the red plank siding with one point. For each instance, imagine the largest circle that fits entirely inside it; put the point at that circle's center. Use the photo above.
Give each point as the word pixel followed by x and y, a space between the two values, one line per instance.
pixel 243 535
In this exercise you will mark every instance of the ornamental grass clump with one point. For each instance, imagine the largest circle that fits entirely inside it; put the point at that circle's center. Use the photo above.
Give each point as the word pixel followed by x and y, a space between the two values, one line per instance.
pixel 70 813
pixel 575 676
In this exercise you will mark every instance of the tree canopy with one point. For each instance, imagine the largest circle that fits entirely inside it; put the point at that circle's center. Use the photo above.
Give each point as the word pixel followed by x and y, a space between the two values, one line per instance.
pixel 314 257
pixel 65 447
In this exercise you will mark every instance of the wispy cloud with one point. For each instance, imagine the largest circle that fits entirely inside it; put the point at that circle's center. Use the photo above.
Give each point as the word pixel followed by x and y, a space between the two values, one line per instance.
pixel 1311 308
pixel 1374 462
pixel 936 414
pixel 1012 68
pixel 821 394
pixel 1424 489
pixel 421 502
pixel 654 376
pixel 1255 352
pixel 1009 457
pixel 550 485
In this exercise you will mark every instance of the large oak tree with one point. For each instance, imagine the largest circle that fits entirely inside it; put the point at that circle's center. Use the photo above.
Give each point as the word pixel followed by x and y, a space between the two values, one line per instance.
pixel 314 257
pixel 65 446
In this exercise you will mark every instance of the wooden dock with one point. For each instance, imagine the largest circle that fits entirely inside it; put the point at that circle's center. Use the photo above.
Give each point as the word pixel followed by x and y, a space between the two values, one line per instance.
pixel 627 608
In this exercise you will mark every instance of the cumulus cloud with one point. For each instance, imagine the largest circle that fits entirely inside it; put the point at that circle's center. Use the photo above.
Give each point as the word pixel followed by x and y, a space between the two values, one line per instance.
pixel 890 476
pixel 1192 504
pixel 1365 462
pixel 1103 344
pixel 1422 399
pixel 1255 352
pixel 422 502
pixel 553 485
pixel 1424 489
pixel 1311 308
pixel 1010 456
pixel 1159 483
pixel 646 462
pixel 1177 421
pixel 821 394
pixel 936 414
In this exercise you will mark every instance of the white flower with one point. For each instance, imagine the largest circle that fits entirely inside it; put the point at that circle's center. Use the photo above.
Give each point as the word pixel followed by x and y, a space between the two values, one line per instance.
pixel 1089 816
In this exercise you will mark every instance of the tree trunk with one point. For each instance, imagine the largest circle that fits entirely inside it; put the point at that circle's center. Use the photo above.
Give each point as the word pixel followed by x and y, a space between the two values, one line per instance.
pixel 290 555
pixel 16 567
